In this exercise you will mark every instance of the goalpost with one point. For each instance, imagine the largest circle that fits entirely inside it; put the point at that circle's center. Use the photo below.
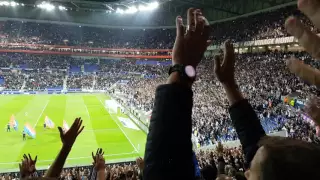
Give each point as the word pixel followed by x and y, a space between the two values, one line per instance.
pixel 112 106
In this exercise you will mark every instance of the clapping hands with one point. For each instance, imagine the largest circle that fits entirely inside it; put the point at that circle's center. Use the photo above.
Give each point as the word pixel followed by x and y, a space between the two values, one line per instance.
pixel 309 40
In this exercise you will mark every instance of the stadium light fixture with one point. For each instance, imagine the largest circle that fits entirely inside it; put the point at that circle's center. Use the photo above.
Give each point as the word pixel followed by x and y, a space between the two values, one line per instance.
pixel 142 8
pixel 120 11
pixel 131 10
pixel 13 4
pixel 4 3
pixel 46 6
pixel 153 5
pixel 62 8
pixel 149 6
pixel 10 3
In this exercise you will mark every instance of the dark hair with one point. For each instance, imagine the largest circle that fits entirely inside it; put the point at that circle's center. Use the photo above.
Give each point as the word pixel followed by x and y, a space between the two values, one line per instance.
pixel 288 158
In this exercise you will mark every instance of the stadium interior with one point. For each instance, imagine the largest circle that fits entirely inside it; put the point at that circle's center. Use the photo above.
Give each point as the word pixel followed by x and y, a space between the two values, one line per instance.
pixel 103 60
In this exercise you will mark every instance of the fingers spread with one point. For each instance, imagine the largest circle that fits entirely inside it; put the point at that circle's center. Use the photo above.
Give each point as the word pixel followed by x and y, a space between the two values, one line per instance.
pixel 304 71
pixel 228 54
pixel 180 27
pixel 311 8
pixel 199 22
pixel 191 21
pixel 60 130
pixel 309 40
pixel 80 130
pixel 92 155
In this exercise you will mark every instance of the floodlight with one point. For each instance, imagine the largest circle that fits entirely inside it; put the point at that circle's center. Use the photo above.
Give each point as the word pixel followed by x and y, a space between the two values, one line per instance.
pixel 13 4
pixel 153 5
pixel 131 10
pixel 46 6
pixel 62 8
pixel 120 11
pixel 142 8
pixel 4 3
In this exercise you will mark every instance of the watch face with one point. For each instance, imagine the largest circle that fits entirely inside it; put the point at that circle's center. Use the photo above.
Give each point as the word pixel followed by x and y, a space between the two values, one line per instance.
pixel 190 71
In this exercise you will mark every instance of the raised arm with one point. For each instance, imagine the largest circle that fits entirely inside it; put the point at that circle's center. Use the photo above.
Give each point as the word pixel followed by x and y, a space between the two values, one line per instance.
pixel 168 153
pixel 28 167
pixel 68 140
pixel 243 117
pixel 98 172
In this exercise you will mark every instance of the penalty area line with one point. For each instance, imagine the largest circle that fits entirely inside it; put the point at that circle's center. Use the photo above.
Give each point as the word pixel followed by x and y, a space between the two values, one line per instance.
pixel 135 149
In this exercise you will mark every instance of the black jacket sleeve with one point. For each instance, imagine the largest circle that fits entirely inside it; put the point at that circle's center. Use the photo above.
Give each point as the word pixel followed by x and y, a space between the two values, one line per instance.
pixel 248 128
pixel 168 153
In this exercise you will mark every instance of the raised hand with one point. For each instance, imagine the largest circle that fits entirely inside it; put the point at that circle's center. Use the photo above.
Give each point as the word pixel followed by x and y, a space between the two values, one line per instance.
pixel 224 70
pixel 27 166
pixel 309 40
pixel 191 42
pixel 68 138
pixel 140 163
pixel 98 159
pixel 313 109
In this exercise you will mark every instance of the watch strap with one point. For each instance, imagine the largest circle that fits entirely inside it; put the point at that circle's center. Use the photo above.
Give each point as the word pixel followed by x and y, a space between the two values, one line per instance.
pixel 181 70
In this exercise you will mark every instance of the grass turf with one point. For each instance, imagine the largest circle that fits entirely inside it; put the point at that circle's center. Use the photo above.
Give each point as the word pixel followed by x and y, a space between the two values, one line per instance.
pixel 102 129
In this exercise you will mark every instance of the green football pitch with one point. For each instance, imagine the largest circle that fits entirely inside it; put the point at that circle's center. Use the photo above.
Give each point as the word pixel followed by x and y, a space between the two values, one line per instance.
pixel 103 129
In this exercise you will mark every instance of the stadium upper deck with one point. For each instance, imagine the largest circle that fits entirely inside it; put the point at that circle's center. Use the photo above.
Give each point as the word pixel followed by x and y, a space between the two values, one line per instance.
pixel 129 13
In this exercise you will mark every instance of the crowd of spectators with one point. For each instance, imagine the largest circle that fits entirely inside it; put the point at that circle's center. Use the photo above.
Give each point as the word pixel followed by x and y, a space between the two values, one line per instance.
pixel 253 27
pixel 78 81
pixel 263 76
pixel 212 162
pixel 43 80
pixel 210 109
pixel 11 80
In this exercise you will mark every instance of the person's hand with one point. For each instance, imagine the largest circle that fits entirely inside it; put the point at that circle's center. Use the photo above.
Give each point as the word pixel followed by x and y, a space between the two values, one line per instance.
pixel 309 40
pixel 27 166
pixel 98 160
pixel 191 42
pixel 312 108
pixel 69 137
pixel 140 163
pixel 224 70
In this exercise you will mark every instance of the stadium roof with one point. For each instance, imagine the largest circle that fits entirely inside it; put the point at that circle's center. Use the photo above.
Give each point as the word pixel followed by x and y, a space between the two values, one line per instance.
pixel 164 14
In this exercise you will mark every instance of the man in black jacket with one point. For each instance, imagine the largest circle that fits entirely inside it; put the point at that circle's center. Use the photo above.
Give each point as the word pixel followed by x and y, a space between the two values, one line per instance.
pixel 168 153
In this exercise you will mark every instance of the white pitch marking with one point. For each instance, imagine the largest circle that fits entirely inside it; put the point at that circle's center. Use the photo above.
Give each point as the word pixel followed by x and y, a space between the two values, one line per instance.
pixel 83 157
pixel 136 150
pixel 41 113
